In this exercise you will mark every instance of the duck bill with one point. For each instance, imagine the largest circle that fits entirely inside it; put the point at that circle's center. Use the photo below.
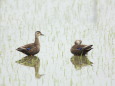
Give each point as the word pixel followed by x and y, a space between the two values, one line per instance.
pixel 42 34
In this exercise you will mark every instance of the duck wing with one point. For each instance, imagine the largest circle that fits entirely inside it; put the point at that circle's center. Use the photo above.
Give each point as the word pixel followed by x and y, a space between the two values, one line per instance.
pixel 28 46
pixel 76 49
pixel 84 49
pixel 81 49
pixel 25 48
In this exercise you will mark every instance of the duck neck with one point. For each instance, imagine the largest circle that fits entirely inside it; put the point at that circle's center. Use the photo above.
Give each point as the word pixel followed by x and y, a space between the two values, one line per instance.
pixel 37 41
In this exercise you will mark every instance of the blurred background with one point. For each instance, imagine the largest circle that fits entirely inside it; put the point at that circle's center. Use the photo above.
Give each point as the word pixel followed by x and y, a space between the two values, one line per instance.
pixel 62 22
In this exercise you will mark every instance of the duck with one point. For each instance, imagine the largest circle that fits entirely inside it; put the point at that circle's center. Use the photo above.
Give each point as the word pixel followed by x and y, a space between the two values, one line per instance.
pixel 32 48
pixel 79 49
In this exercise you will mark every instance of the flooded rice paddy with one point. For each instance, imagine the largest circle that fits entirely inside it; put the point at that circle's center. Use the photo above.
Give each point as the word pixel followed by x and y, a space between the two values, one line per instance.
pixel 62 22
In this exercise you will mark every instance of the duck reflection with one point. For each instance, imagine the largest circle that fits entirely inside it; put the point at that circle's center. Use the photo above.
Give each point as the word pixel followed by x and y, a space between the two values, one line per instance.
pixel 80 61
pixel 31 61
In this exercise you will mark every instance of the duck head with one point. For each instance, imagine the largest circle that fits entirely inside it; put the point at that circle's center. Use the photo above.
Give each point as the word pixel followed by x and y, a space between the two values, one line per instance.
pixel 78 42
pixel 38 33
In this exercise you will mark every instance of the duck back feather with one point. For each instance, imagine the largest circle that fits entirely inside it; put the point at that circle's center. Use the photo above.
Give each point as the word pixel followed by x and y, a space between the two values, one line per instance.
pixel 29 49
pixel 79 50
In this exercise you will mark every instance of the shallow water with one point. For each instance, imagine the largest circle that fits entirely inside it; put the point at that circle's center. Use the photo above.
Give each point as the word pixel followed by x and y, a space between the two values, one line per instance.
pixel 62 22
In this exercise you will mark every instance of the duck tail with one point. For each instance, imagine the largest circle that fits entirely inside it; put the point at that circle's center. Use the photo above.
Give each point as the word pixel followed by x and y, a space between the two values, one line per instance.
pixel 20 49
pixel 89 47
pixel 87 50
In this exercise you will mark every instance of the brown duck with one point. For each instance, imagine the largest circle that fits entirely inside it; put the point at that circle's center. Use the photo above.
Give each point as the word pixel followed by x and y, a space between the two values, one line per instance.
pixel 80 50
pixel 32 48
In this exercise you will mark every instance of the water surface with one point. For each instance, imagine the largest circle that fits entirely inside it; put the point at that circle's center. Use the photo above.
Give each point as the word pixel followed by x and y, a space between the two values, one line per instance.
pixel 62 22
